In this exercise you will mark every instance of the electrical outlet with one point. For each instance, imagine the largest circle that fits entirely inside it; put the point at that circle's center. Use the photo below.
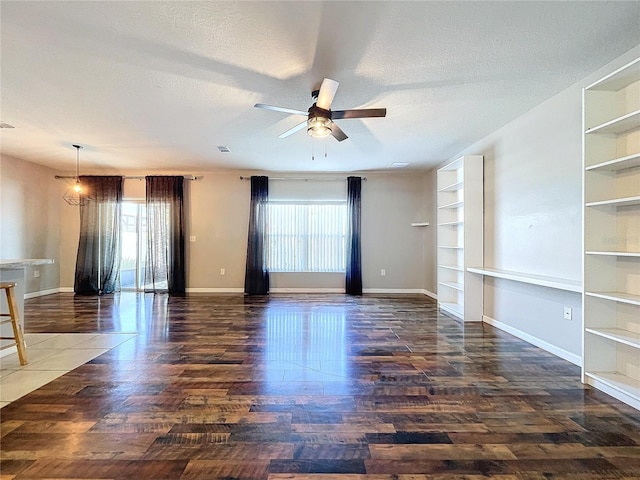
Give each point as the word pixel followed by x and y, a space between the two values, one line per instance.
pixel 383 272
pixel 222 271
pixel 568 313
pixel 192 238
pixel 36 274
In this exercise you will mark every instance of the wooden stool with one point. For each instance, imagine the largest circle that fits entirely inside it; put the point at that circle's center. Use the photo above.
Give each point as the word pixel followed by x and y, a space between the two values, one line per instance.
pixel 18 339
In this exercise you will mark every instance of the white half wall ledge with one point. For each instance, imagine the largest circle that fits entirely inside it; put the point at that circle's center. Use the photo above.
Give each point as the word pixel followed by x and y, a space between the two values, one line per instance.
pixel 24 262
pixel 540 280
pixel 559 352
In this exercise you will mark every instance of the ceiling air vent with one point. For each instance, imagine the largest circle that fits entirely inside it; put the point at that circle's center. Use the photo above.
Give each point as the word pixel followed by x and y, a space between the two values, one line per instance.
pixel 224 149
pixel 399 165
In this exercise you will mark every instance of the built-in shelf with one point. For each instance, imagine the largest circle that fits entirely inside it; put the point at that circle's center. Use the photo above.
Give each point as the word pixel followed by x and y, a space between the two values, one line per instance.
pixel 618 79
pixel 616 202
pixel 541 280
pixel 455 286
pixel 616 164
pixel 621 297
pixel 459 227
pixel 618 125
pixel 452 205
pixel 420 224
pixel 624 384
pixel 611 160
pixel 453 187
pixel 457 268
pixel 614 254
pixel 617 335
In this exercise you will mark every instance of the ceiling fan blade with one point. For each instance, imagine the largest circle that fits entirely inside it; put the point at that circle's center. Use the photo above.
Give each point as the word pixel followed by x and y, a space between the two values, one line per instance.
pixel 293 130
pixel 337 132
pixel 327 92
pixel 280 109
pixel 361 113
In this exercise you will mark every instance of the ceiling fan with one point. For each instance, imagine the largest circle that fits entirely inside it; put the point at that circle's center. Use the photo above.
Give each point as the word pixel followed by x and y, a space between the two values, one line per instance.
pixel 320 117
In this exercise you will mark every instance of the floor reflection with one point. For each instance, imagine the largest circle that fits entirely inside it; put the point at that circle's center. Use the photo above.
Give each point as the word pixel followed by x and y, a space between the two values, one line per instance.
pixel 142 313
pixel 305 346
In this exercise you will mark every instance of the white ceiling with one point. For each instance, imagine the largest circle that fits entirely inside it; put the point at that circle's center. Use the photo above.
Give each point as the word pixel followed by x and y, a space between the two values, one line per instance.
pixel 159 85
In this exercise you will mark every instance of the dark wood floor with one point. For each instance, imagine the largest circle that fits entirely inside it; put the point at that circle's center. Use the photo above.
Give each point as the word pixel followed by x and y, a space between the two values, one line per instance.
pixel 309 386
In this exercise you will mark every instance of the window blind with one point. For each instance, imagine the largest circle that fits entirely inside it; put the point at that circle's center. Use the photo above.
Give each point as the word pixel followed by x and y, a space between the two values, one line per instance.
pixel 307 236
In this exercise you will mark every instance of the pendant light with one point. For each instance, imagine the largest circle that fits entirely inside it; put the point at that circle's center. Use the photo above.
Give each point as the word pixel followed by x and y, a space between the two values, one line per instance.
pixel 75 196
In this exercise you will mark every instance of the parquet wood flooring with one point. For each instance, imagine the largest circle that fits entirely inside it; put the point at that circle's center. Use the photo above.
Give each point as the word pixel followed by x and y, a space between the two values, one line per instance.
pixel 307 387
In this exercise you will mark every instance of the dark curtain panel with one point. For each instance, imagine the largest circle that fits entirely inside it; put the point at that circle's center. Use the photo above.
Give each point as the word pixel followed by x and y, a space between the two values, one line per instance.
pixel 165 259
pixel 354 262
pixel 98 259
pixel 256 279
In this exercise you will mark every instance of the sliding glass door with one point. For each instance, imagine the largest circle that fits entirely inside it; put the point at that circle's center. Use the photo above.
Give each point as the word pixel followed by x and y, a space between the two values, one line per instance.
pixel 134 241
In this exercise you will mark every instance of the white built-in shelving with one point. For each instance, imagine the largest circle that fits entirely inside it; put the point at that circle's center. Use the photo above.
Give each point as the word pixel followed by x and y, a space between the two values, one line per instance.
pixel 611 298
pixel 460 237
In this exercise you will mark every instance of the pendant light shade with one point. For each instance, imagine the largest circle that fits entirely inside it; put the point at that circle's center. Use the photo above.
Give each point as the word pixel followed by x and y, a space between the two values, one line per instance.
pixel 75 196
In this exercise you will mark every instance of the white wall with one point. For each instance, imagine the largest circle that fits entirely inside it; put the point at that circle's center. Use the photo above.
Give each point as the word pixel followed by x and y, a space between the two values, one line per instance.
pixel 390 203
pixel 219 220
pixel 30 219
pixel 533 216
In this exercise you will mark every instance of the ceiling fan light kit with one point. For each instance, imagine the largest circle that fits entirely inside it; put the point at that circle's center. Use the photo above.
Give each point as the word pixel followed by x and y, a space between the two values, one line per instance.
pixel 318 126
pixel 320 117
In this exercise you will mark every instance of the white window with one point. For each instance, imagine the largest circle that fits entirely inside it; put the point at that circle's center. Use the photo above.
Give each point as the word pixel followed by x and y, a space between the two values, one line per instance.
pixel 307 236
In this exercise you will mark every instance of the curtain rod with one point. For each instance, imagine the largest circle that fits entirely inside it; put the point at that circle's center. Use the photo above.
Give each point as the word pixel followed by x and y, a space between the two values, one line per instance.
pixel 304 178
pixel 136 177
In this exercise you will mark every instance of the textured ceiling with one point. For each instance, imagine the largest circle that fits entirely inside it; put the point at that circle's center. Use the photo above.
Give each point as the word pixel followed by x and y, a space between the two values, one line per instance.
pixel 159 85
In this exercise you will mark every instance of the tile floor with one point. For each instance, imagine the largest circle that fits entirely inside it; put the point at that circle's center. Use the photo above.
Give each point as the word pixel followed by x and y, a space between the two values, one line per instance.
pixel 50 356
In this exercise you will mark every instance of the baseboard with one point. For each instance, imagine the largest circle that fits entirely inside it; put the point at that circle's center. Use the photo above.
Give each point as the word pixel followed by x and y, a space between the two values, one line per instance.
pixel 41 293
pixel 313 290
pixel 273 290
pixel 214 290
pixel 305 290
pixel 189 290
pixel 8 351
pixel 429 294
pixel 568 356
pixel 393 290
pixel 341 290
